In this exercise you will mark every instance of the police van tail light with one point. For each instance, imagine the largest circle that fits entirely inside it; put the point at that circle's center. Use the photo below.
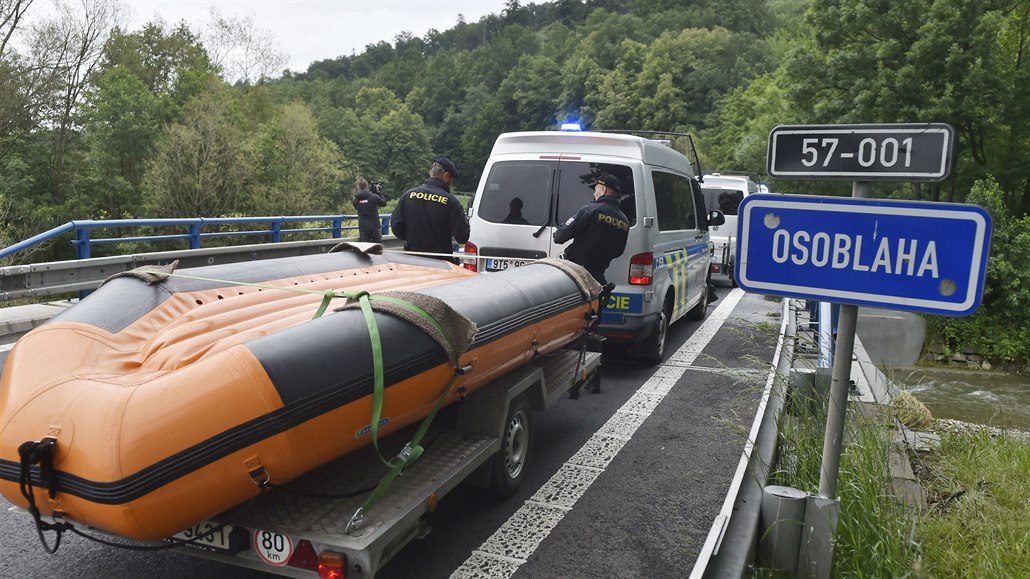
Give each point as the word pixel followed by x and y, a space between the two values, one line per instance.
pixel 473 251
pixel 641 269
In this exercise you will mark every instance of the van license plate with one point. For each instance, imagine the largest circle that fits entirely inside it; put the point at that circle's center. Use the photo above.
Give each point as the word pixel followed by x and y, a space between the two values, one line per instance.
pixel 503 264
pixel 217 541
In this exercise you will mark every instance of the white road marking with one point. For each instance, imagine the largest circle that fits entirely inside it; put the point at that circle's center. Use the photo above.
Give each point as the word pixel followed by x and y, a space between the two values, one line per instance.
pixel 6 347
pixel 512 544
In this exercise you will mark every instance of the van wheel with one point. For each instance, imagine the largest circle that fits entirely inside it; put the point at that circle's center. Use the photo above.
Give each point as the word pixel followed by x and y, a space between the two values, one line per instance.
pixel 509 468
pixel 656 347
pixel 700 311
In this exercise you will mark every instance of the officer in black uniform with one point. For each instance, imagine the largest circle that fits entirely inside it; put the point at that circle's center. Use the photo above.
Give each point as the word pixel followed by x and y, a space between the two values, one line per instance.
pixel 598 230
pixel 427 217
pixel 367 202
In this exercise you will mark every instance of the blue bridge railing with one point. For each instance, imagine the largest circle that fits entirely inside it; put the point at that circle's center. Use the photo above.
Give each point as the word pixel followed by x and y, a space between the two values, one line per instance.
pixel 275 227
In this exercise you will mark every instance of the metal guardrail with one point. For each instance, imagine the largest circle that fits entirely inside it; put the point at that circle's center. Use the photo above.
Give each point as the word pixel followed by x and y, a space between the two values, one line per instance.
pixel 60 277
pixel 732 542
pixel 86 272
pixel 194 235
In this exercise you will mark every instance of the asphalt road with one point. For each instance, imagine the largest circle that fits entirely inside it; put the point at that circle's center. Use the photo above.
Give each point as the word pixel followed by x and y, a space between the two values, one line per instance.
pixel 646 513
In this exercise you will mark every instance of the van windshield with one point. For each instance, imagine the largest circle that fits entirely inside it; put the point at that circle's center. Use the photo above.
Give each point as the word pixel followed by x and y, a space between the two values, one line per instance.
pixel 725 200
pixel 520 192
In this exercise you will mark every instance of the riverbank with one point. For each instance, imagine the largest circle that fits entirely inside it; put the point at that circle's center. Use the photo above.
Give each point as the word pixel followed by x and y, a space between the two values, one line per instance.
pixel 974 482
pixel 949 426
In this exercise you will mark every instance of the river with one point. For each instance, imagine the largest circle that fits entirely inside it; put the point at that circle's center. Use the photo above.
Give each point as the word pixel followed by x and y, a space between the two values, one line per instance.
pixel 992 398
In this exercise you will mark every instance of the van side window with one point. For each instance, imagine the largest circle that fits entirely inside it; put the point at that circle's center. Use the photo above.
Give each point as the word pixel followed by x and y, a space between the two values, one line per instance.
pixel 725 200
pixel 518 192
pixel 675 201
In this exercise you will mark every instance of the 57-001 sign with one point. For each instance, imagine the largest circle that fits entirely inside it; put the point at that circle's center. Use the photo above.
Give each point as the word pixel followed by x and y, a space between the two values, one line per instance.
pixel 902 151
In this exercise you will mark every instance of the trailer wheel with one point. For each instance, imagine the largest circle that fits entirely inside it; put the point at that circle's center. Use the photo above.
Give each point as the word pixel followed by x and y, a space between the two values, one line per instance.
pixel 516 443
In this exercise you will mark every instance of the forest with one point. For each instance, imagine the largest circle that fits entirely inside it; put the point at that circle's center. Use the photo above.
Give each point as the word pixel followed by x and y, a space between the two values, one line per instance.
pixel 98 121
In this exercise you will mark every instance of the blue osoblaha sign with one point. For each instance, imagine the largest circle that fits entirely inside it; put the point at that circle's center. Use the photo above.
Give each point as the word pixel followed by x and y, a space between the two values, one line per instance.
pixel 904 255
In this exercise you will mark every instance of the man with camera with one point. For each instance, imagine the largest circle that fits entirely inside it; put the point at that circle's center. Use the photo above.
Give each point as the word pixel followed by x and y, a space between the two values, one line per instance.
pixel 367 201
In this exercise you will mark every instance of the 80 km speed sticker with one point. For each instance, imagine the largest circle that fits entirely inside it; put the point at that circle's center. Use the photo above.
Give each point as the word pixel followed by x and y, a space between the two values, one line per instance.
pixel 273 548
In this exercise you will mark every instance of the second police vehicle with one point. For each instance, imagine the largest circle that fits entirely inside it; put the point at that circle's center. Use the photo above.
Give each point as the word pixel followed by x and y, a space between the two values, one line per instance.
pixel 534 181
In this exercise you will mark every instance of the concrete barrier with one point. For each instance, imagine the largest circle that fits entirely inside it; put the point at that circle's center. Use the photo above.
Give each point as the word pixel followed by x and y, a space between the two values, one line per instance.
pixel 891 337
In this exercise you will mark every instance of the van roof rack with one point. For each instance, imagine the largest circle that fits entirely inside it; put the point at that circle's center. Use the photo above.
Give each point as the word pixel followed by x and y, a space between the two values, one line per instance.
pixel 673 138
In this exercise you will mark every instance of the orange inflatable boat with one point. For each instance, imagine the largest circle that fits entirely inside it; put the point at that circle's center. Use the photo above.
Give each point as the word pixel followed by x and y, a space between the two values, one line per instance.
pixel 161 398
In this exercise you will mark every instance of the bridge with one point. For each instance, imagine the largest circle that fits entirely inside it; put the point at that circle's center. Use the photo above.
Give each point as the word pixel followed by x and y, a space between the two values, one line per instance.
pixel 660 475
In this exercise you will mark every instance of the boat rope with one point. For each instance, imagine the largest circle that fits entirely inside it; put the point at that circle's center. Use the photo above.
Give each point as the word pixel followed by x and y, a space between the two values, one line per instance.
pixel 40 452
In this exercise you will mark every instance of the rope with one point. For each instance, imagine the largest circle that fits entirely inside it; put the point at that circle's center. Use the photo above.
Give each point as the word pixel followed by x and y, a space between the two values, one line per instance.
pixel 41 453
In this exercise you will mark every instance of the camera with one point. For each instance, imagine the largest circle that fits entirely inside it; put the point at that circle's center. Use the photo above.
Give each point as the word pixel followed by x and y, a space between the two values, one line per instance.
pixel 375 186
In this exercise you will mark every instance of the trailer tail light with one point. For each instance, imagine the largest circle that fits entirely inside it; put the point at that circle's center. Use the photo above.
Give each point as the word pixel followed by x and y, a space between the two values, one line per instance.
pixel 332 565
pixel 473 250
pixel 304 556
pixel 715 268
pixel 641 269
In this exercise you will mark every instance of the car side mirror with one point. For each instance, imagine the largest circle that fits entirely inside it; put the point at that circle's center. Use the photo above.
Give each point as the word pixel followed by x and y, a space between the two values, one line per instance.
pixel 716 218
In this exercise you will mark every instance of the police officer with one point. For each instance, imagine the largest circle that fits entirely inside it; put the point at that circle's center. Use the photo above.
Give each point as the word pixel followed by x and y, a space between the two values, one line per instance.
pixel 427 217
pixel 367 202
pixel 598 230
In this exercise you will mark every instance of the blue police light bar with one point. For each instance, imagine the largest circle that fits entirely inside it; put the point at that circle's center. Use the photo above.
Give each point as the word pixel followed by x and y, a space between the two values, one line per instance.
pixel 571 127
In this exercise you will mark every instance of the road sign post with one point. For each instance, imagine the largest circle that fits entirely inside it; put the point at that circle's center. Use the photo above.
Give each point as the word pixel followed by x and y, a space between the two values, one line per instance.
pixel 929 258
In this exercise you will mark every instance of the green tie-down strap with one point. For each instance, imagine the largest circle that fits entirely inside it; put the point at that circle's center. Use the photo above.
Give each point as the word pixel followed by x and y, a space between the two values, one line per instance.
pixel 453 331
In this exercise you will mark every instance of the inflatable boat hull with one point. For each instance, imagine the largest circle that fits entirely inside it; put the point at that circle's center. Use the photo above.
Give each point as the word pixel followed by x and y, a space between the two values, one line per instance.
pixel 165 399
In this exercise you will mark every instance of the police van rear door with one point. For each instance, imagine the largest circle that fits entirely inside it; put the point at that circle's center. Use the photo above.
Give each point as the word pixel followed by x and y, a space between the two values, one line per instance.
pixel 523 201
pixel 515 205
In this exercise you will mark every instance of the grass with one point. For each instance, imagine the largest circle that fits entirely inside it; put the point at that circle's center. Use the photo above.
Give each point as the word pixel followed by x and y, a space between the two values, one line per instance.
pixel 978 521
pixel 978 524
pixel 875 534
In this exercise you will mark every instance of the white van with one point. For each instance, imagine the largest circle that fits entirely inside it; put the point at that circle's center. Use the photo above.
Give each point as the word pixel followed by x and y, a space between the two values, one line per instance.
pixel 724 193
pixel 536 180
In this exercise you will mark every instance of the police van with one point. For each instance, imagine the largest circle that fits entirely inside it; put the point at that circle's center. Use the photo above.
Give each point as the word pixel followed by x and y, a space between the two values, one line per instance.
pixel 724 194
pixel 534 181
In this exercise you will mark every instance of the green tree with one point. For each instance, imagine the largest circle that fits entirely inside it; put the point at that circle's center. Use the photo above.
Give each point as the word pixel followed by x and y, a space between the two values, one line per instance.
pixel 140 86
pixel 124 121
pixel 402 73
pixel 203 164
pixel 382 137
pixel 169 62
pixel 684 75
pixel 954 61
pixel 737 135
pixel 298 171
pixel 612 103
pixel 528 93
pixel 1000 328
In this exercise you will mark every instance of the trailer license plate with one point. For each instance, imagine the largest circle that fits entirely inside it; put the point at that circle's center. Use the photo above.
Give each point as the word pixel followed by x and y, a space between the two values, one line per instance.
pixel 503 264
pixel 209 540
